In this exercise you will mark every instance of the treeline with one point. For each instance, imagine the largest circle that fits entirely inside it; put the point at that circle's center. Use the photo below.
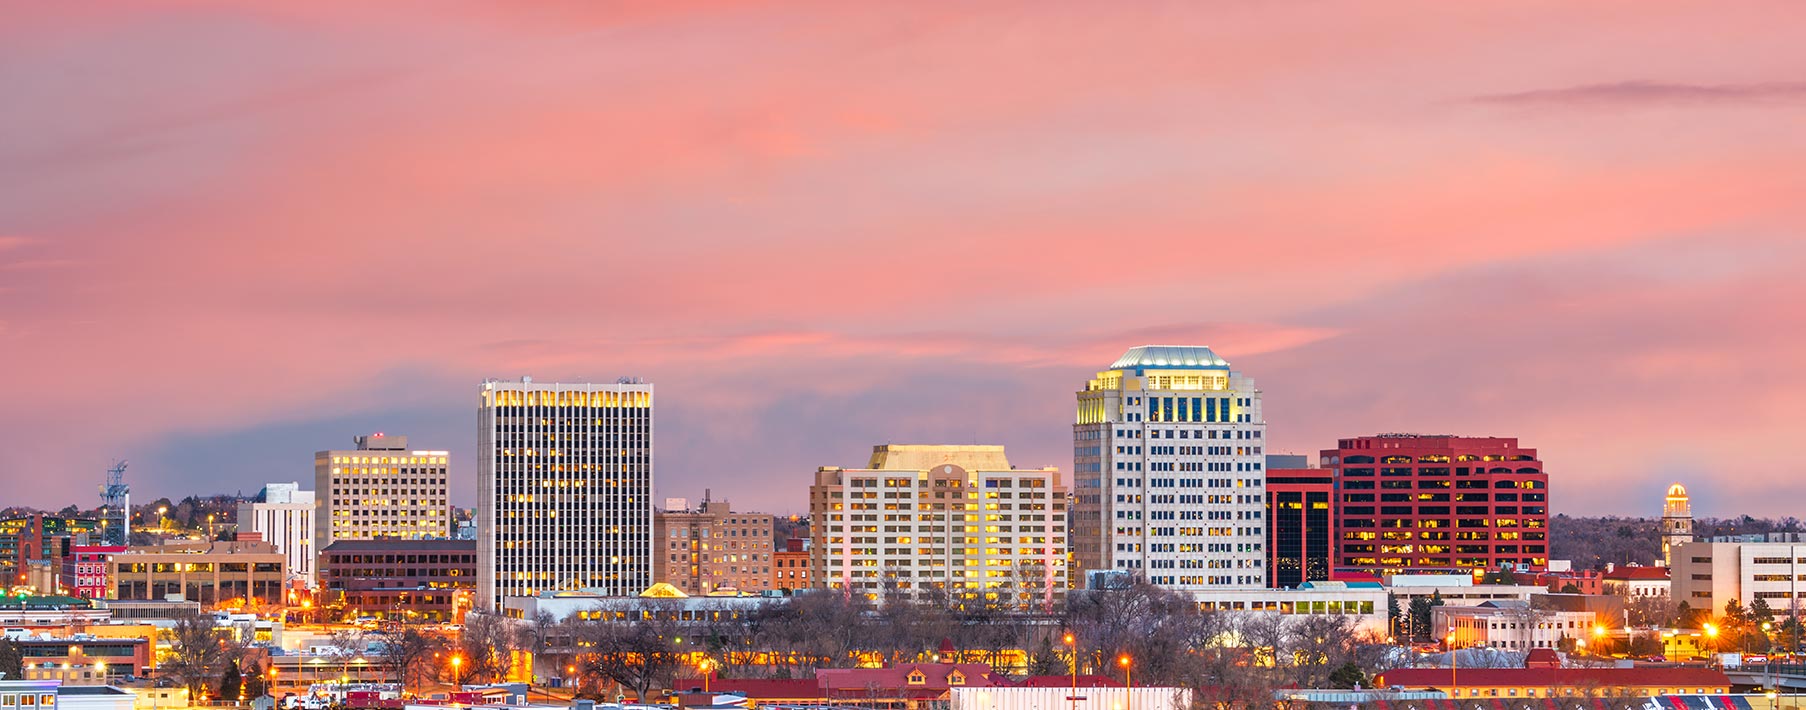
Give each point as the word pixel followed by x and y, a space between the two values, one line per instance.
pixel 1594 542
pixel 1238 659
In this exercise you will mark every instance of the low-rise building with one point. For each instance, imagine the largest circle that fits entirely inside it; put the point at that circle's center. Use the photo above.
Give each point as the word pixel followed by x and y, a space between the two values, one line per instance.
pixel 790 566
pixel 1455 589
pixel 1510 625
pixel 85 570
pixel 412 580
pixel 56 615
pixel 1365 602
pixel 43 538
pixel 1708 575
pixel 85 659
pixel 1648 582
pixel 247 573
pixel 1558 682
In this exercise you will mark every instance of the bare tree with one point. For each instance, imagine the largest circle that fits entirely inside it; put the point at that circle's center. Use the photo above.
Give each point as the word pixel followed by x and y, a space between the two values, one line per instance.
pixel 639 653
pixel 198 652
pixel 486 647
pixel 408 655
pixel 349 642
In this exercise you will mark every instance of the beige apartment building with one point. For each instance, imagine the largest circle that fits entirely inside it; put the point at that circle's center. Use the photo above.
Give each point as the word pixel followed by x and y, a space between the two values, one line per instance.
pixel 711 549
pixel 928 521
pixel 381 489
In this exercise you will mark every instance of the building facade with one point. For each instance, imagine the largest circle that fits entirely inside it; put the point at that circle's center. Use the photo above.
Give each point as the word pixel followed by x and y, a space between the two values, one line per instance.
pixel 284 515
pixel 1509 625
pixel 1415 504
pixel 381 489
pixel 412 580
pixel 925 521
pixel 1168 471
pixel 212 573
pixel 790 567
pixel 564 489
pixel 711 548
pixel 85 570
pixel 1708 575
pixel 1301 533
pixel 43 538
pixel 1677 522
pixel 1629 581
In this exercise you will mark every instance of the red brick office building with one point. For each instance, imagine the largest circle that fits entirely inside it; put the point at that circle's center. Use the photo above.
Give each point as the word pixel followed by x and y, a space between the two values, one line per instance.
pixel 1409 503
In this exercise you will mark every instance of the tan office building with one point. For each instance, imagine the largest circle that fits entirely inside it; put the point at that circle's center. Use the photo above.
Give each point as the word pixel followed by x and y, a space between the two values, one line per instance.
pixel 211 573
pixel 711 548
pixel 932 520
pixel 382 489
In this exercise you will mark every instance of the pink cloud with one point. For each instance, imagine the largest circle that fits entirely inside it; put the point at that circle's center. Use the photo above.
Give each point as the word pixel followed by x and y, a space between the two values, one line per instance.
pixel 823 208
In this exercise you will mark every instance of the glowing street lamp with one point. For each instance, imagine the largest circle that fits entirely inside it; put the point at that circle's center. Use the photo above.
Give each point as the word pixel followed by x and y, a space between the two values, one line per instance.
pixel 705 665
pixel 457 673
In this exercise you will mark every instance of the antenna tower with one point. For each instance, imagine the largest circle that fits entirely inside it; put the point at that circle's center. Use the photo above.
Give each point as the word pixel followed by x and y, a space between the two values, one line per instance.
pixel 116 506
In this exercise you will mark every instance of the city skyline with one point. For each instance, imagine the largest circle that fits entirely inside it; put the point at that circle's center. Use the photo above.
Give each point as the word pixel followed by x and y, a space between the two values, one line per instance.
pixel 1574 228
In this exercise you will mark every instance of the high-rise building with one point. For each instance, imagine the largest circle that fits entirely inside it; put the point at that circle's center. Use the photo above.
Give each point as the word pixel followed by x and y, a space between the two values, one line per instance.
pixel 564 489
pixel 941 522
pixel 284 515
pixel 1677 522
pixel 1168 469
pixel 381 489
pixel 1411 503
pixel 712 548
pixel 1301 530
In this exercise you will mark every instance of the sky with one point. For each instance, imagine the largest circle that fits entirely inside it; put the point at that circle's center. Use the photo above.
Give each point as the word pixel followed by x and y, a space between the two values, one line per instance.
pixel 234 234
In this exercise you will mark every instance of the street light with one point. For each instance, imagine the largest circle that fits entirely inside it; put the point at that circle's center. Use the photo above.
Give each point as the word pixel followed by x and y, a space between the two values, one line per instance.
pixel 1712 636
pixel 705 665
pixel 1127 680
pixel 1599 638
pixel 457 675
pixel 1072 647
pixel 1454 660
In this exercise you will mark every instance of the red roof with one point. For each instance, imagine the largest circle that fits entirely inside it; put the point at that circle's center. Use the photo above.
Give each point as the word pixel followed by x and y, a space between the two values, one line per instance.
pixel 1542 658
pixel 1555 677
pixel 757 688
pixel 1065 681
pixel 935 677
pixel 1637 573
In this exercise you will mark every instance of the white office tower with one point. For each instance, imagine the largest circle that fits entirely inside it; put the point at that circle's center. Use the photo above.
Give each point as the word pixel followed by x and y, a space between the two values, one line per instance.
pixel 1167 471
pixel 284 515
pixel 564 489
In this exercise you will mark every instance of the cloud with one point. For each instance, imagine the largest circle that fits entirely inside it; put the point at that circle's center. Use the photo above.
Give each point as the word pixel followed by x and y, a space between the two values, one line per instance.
pixel 1653 93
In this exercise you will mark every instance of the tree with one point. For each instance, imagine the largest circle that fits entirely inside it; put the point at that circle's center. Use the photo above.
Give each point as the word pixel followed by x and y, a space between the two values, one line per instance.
pixel 12 660
pixel 1349 675
pixel 197 653
pixel 638 653
pixel 255 685
pixel 1044 660
pixel 408 655
pixel 1569 588
pixel 486 647
pixel 1420 619
pixel 231 683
